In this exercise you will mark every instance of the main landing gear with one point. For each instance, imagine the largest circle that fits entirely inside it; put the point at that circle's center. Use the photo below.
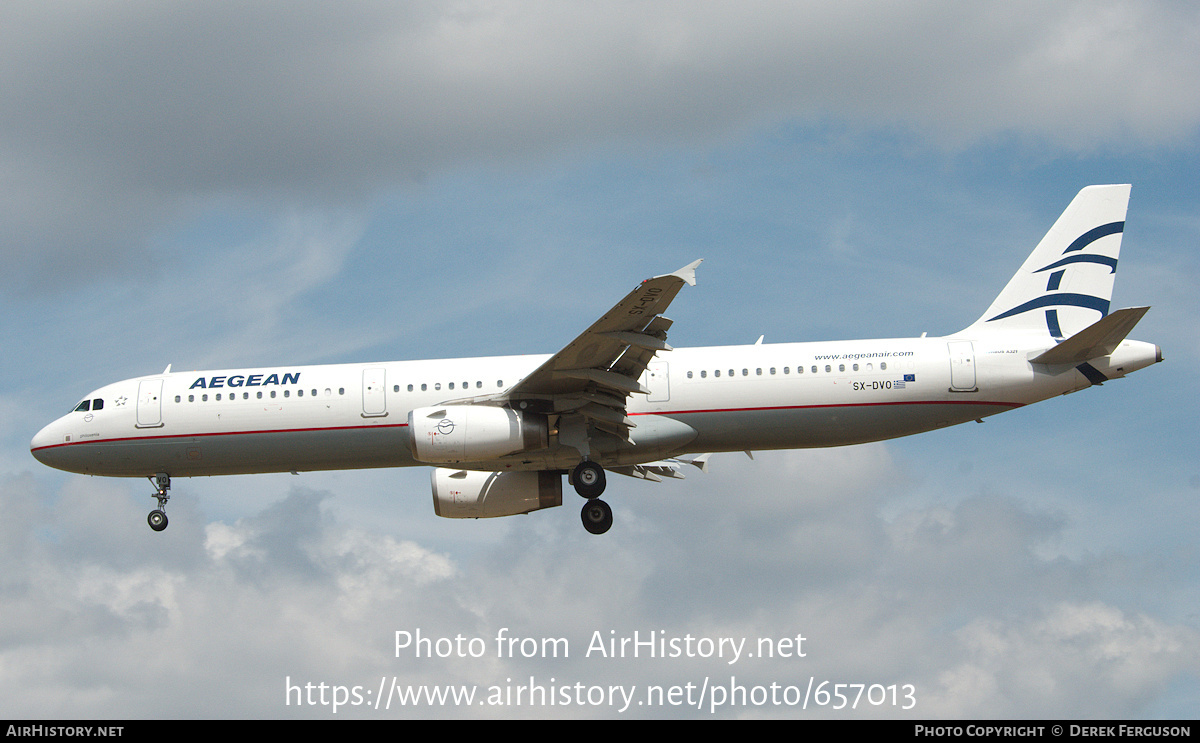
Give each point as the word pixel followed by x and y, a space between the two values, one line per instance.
pixel 588 479
pixel 157 519
pixel 596 516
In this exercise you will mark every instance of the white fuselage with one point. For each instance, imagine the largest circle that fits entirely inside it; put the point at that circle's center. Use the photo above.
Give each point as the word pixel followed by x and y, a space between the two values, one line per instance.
pixel 766 396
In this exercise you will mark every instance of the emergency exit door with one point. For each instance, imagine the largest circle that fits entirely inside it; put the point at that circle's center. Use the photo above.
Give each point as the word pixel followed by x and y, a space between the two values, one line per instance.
pixel 374 392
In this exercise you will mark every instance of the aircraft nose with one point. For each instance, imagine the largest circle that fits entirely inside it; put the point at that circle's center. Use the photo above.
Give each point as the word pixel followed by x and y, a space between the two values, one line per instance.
pixel 41 443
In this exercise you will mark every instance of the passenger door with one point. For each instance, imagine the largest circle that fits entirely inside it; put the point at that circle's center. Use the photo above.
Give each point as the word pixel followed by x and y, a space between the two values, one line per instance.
pixel 962 367
pixel 149 403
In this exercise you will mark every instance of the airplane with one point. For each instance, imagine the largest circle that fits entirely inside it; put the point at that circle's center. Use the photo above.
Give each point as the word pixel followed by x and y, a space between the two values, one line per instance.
pixel 501 432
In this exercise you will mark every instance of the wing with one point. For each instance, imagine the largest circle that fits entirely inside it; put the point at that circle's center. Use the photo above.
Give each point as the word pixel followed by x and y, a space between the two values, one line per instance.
pixel 594 374
pixel 656 471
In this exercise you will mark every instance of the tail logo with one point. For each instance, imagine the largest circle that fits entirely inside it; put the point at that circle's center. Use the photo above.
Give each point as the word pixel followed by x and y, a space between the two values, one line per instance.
pixel 1054 298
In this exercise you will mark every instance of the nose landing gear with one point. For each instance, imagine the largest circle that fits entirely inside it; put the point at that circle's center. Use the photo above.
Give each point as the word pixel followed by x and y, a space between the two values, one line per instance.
pixel 157 519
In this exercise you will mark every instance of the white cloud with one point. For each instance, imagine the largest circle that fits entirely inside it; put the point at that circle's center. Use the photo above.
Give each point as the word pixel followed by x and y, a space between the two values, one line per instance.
pixel 224 612
pixel 127 119
pixel 1031 667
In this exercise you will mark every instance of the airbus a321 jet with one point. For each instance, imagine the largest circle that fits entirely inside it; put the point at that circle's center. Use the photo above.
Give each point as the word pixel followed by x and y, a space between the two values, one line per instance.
pixel 501 432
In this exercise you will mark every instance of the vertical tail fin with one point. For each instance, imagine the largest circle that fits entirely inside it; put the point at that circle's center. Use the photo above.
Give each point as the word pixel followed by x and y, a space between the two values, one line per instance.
pixel 1066 283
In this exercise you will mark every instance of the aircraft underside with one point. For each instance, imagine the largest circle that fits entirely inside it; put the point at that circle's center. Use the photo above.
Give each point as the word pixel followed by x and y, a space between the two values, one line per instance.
pixel 528 480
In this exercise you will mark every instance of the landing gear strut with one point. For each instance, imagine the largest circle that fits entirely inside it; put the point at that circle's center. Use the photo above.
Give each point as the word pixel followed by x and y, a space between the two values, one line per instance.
pixel 588 479
pixel 157 519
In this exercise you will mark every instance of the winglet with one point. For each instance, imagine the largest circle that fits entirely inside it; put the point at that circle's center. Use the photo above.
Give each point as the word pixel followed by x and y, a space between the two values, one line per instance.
pixel 688 272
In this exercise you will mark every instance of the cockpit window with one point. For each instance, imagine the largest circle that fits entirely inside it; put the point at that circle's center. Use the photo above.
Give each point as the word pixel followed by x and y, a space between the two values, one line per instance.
pixel 86 405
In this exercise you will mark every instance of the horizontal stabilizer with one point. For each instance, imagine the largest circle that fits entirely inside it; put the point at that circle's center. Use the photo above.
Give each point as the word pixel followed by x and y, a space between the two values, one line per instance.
pixel 1100 338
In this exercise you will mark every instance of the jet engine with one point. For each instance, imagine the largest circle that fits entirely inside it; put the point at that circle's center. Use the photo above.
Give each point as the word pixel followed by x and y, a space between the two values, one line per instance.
pixel 473 433
pixel 463 494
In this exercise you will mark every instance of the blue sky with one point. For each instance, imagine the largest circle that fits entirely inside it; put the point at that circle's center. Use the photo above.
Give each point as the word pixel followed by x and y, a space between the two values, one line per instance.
pixel 215 186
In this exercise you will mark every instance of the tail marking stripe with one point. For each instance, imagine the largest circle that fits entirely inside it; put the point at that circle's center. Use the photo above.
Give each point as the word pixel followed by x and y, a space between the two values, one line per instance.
pixel 1094 375
pixel 1052 324
pixel 1059 300
pixel 1092 235
pixel 1103 260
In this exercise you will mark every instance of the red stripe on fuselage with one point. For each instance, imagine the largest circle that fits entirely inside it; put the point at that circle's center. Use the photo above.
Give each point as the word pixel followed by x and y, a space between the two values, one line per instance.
pixel 405 425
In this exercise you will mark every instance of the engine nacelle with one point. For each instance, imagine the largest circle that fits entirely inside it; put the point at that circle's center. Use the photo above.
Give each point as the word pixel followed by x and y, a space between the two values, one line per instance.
pixel 462 494
pixel 473 433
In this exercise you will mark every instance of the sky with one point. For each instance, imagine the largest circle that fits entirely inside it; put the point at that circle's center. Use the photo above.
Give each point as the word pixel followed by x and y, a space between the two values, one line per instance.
pixel 219 184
